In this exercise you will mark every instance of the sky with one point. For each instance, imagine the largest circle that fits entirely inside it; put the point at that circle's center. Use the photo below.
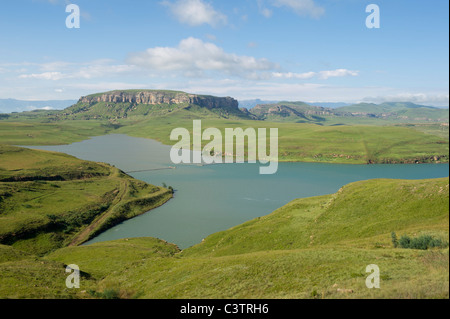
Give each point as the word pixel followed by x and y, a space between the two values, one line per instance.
pixel 296 50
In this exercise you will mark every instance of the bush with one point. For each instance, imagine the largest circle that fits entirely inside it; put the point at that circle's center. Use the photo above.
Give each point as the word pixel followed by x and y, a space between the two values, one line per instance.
pixel 394 239
pixel 423 242
pixel 107 294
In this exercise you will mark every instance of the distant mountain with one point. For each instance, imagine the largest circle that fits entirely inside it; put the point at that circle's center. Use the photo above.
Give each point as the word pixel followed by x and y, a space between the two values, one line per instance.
pixel 301 112
pixel 249 104
pixel 399 110
pixel 12 105
pixel 122 104
pixel 331 105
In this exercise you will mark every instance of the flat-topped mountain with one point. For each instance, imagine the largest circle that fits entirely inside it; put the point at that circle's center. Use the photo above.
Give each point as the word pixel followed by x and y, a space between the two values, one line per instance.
pixel 133 103
pixel 151 97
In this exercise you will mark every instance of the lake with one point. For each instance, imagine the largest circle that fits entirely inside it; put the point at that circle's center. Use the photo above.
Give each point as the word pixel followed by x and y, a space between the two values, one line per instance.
pixel 213 198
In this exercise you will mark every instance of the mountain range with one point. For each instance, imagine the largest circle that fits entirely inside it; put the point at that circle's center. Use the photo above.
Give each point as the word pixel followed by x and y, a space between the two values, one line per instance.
pixel 301 112
pixel 123 104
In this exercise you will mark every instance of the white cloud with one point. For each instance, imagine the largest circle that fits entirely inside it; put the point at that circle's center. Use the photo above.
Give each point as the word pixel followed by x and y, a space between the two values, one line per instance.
pixel 323 75
pixel 337 73
pixel 94 69
pixel 291 75
pixel 54 76
pixel 196 13
pixel 301 7
pixel 193 57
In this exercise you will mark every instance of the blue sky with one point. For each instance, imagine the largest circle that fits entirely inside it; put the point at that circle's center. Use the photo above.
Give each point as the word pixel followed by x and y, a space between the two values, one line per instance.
pixel 309 50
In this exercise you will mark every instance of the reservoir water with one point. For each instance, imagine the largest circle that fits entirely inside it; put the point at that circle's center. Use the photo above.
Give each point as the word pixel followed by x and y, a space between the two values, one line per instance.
pixel 212 198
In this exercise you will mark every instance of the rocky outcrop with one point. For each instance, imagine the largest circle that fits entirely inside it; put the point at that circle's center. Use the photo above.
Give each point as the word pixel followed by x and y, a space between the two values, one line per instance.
pixel 161 97
pixel 293 111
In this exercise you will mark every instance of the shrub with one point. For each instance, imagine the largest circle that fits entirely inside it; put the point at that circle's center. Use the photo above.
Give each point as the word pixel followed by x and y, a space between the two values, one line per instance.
pixel 423 242
pixel 394 239
pixel 107 294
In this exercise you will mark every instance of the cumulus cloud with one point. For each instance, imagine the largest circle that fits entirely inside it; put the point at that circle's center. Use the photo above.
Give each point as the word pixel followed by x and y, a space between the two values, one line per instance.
pixel 195 57
pixel 195 13
pixel 301 7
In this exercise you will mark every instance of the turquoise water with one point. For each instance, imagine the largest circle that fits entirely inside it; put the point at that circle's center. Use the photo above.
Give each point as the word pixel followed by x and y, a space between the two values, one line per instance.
pixel 212 198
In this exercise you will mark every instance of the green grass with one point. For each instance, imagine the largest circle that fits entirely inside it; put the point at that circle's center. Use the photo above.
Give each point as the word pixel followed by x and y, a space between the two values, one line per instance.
pixel 352 144
pixel 320 221
pixel 51 203
pixel 310 248
pixel 35 132
pixel 315 143
pixel 48 200
pixel 364 113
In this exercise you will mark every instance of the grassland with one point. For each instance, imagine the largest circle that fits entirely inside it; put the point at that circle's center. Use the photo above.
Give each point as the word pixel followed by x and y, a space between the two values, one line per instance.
pixel 24 131
pixel 305 142
pixel 352 144
pixel 311 248
pixel 50 200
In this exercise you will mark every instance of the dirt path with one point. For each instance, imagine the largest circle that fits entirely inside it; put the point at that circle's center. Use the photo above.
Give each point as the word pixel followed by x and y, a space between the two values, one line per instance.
pixel 85 233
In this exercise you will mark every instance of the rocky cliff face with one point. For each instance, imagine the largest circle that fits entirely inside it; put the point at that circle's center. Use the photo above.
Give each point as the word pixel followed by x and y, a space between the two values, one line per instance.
pixel 162 97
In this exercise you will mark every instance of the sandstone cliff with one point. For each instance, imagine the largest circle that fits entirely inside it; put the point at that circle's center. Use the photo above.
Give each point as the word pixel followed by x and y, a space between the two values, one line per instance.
pixel 162 97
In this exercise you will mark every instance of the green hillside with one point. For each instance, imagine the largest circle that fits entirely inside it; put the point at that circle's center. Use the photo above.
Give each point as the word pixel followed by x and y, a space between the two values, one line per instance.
pixel 50 200
pixel 398 111
pixel 363 113
pixel 351 144
pixel 311 248
pixel 140 104
pixel 356 144
pixel 408 133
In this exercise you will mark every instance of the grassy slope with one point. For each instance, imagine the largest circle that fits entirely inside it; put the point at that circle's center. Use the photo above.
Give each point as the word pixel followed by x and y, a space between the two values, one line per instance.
pixel 25 131
pixel 310 247
pixel 297 142
pixel 387 114
pixel 28 276
pixel 48 199
pixel 314 143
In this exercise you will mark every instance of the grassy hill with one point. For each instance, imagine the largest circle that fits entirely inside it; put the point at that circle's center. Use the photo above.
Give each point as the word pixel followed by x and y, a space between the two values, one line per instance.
pixel 306 133
pixel 139 104
pixel 363 113
pixel 398 111
pixel 28 276
pixel 314 143
pixel 50 200
pixel 352 144
pixel 311 248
